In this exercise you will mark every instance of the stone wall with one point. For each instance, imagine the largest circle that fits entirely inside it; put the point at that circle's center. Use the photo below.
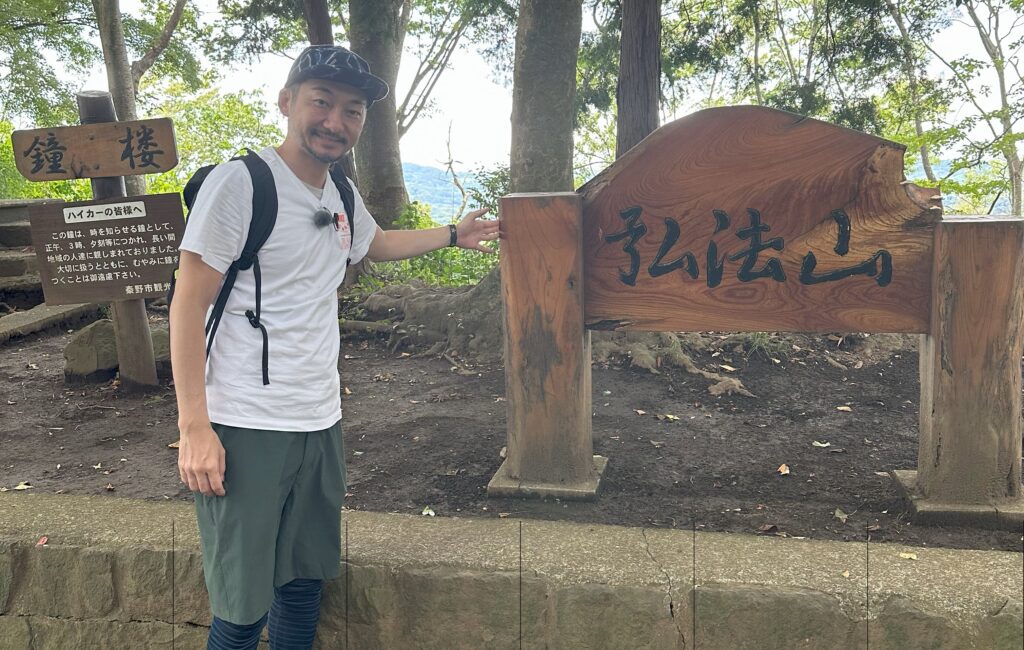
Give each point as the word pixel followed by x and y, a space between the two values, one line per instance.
pixel 105 578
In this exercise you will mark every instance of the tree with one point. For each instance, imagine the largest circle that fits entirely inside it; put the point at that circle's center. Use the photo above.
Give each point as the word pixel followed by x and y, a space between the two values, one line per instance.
pixel 543 94
pixel 376 30
pixel 377 33
pixel 1002 45
pixel 123 77
pixel 639 87
pixel 32 88
pixel 468 323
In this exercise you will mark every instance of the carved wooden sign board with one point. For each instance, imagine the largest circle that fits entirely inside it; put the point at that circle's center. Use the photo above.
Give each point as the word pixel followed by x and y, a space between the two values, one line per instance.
pixel 96 150
pixel 752 219
pixel 115 249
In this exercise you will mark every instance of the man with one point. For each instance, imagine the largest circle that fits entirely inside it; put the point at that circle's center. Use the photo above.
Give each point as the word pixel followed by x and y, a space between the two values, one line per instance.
pixel 263 451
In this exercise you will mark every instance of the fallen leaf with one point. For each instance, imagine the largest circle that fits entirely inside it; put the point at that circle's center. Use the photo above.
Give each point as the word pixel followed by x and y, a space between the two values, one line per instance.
pixel 42 541
pixel 671 418
pixel 504 452
pixel 908 556
pixel 821 444
pixel 32 366
pixel 657 444
pixel 783 469
pixel 846 574
pixel 98 466
pixel 770 529
pixel 174 445
pixel 414 401
pixel 357 453
pixel 503 515
pixel 24 485
pixel 346 391
pixel 840 515
pixel 405 354
pixel 873 527
pixel 640 412
pixel 844 409
pixel 727 368
pixel 427 511
pixel 110 487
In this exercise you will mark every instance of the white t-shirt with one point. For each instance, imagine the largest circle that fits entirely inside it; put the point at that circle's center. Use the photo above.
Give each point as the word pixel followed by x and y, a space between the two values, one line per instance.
pixel 301 267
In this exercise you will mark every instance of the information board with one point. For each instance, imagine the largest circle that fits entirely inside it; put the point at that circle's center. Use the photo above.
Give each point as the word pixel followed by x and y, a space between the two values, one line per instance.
pixel 99 251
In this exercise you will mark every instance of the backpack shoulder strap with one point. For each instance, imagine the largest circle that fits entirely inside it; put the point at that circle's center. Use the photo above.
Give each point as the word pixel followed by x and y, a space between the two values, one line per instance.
pixel 264 216
pixel 348 199
pixel 264 208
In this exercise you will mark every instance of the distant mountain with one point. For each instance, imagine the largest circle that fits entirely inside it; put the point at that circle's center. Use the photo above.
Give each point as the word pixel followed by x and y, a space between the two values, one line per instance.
pixel 434 187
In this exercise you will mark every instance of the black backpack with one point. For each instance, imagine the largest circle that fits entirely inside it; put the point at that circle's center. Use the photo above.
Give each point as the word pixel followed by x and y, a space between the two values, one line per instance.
pixel 264 216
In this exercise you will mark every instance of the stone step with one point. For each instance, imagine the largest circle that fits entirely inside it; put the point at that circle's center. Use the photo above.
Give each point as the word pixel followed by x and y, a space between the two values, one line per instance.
pixel 18 209
pixel 41 317
pixel 15 234
pixel 17 261
pixel 22 291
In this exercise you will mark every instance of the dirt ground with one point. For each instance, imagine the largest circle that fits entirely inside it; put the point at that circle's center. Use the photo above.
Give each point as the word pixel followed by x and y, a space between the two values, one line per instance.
pixel 423 432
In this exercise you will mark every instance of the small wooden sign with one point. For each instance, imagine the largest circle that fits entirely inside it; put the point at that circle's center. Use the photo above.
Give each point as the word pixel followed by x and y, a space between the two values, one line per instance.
pixel 100 251
pixel 96 150
pixel 753 219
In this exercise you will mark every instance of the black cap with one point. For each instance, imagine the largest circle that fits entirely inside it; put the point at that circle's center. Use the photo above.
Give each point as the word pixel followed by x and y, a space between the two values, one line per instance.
pixel 335 63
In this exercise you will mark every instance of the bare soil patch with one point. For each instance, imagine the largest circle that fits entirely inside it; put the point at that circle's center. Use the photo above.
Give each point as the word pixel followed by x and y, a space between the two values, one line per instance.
pixel 421 432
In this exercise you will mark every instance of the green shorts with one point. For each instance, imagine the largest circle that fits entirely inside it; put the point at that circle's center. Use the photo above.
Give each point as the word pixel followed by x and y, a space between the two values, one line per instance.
pixel 279 519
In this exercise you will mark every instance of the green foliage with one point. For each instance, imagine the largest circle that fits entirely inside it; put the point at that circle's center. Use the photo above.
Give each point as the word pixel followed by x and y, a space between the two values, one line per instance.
pixel 210 126
pixel 490 185
pixel 178 61
pixel 449 267
pixel 251 28
pixel 32 88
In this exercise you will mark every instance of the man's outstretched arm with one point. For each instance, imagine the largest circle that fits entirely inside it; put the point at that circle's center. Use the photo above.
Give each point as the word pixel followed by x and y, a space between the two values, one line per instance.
pixel 473 232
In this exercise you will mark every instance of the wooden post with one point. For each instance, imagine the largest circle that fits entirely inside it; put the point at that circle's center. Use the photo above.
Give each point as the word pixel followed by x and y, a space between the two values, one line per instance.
pixel 969 459
pixel 547 351
pixel 131 325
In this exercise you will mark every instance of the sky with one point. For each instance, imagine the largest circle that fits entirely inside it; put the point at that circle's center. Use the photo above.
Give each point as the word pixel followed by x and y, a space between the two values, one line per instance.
pixel 472 113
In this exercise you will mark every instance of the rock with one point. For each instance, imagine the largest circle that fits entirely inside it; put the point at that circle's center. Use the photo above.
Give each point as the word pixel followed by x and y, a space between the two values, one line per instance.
pixel 92 353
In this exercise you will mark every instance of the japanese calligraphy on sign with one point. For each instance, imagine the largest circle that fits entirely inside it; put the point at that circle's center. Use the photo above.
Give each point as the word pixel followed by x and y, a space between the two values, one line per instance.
pixel 95 150
pixel 107 250
pixel 752 219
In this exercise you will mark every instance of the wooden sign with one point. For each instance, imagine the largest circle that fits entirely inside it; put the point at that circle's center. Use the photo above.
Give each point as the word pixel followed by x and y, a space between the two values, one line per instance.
pixel 96 150
pixel 752 219
pixel 115 249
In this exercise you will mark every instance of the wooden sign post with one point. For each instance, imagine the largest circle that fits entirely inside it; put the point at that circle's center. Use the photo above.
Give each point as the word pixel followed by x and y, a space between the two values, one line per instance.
pixel 547 352
pixel 752 219
pixel 105 151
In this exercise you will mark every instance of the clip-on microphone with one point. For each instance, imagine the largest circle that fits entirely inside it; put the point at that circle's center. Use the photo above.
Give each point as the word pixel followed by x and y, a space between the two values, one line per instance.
pixel 323 217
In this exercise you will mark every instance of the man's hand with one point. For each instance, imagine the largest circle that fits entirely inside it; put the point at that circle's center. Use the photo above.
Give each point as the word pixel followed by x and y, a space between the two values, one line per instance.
pixel 201 462
pixel 474 231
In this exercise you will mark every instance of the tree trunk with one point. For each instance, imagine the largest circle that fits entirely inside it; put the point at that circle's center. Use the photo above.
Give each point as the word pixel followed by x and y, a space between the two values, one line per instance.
pixel 318 22
pixel 320 31
pixel 910 69
pixel 119 73
pixel 638 92
pixel 377 32
pixel 543 94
